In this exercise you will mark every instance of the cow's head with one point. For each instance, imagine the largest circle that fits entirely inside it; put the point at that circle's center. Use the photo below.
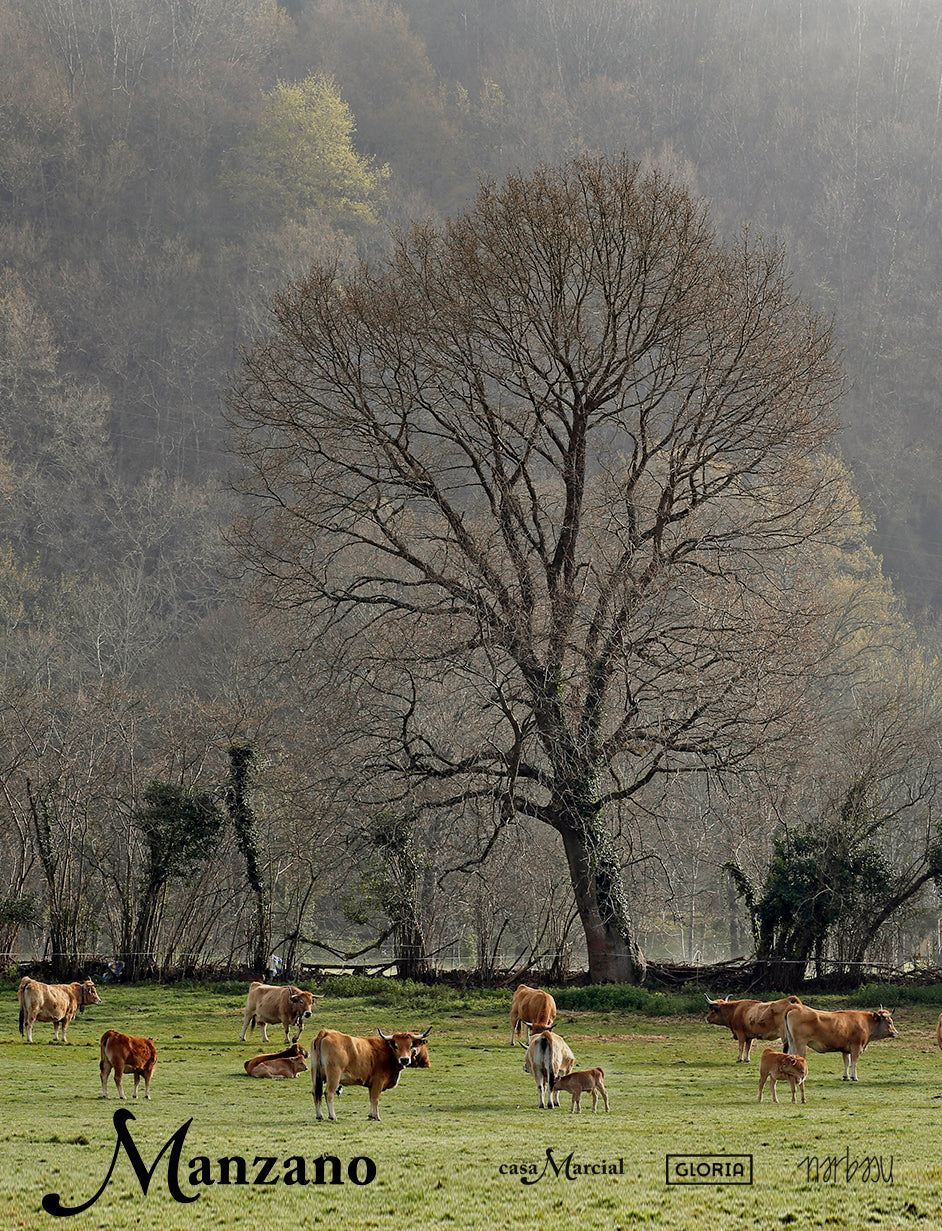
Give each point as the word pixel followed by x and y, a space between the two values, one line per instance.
pixel 408 1048
pixel 302 1003
pixel 881 1025
pixel 89 995
pixel 719 1011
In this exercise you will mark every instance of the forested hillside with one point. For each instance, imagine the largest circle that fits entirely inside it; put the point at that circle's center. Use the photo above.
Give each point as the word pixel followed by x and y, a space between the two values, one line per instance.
pixel 166 166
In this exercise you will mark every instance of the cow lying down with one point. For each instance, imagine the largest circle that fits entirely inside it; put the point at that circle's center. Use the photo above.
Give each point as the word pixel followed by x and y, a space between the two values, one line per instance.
pixel 125 1054
pixel 287 1063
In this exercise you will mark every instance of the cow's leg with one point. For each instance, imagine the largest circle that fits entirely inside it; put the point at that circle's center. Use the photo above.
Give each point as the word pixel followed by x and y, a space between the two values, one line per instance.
pixel 29 1031
pixel 772 1084
pixel 118 1076
pixel 853 1063
pixel 850 1067
pixel 245 1025
pixel 793 1084
pixel 747 1050
pixel 264 1032
pixel 762 1081
pixel 376 1090
pixel 137 1082
pixel 802 1084
pixel 105 1070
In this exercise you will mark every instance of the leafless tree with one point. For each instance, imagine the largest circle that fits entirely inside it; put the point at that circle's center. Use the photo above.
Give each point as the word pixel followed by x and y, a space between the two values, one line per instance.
pixel 559 464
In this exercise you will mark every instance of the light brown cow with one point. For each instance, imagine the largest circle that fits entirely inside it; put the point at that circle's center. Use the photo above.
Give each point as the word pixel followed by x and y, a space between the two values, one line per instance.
pixel 287 1063
pixel 586 1081
pixel 532 1008
pixel 125 1054
pixel 751 1019
pixel 845 1030
pixel 548 1058
pixel 377 1063
pixel 272 1006
pixel 53 1002
pixel 779 1066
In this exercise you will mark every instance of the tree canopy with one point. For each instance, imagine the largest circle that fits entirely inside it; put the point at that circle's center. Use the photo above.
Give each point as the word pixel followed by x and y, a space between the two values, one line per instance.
pixel 559 461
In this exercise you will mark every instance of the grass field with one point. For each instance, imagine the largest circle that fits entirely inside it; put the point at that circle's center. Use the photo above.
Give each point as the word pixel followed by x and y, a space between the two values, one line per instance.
pixel 454 1139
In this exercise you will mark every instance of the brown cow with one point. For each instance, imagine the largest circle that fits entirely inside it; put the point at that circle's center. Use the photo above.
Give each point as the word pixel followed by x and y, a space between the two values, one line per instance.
pixel 342 1059
pixel 845 1030
pixel 53 1002
pixel 272 1006
pixel 587 1081
pixel 779 1066
pixel 531 1008
pixel 548 1058
pixel 287 1063
pixel 124 1053
pixel 751 1019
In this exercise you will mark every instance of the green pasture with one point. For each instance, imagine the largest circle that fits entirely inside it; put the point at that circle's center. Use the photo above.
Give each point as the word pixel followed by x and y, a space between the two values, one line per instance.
pixel 454 1139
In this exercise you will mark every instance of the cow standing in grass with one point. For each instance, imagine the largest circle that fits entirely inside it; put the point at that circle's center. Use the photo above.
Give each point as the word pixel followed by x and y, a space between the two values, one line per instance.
pixel 751 1019
pixel 377 1063
pixel 532 1008
pixel 548 1058
pixel 53 1002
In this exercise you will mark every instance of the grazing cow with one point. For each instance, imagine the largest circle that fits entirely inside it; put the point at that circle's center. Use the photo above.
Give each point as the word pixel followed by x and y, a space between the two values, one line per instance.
pixel 125 1054
pixel 779 1066
pixel 845 1030
pixel 287 1063
pixel 272 1006
pixel 53 1002
pixel 751 1019
pixel 590 1080
pixel 548 1058
pixel 533 1009
pixel 343 1059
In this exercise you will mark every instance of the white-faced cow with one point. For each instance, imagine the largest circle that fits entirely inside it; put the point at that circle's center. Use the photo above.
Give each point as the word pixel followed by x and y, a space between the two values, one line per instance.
pixel 751 1019
pixel 589 1081
pixel 53 1002
pixel 532 1008
pixel 780 1066
pixel 377 1063
pixel 845 1030
pixel 287 1063
pixel 277 1006
pixel 548 1058
pixel 125 1054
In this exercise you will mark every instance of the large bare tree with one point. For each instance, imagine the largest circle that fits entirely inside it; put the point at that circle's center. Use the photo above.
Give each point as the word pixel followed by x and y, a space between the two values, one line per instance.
pixel 554 469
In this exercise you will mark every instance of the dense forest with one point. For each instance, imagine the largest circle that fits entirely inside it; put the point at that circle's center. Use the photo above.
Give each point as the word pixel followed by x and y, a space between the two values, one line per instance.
pixel 186 780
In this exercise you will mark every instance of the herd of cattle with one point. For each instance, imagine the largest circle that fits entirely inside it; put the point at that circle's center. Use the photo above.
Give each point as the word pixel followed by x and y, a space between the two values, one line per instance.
pixel 377 1062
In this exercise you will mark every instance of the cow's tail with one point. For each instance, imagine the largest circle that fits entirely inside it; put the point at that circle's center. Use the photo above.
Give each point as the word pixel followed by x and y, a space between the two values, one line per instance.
pixel 318 1071
pixel 789 1039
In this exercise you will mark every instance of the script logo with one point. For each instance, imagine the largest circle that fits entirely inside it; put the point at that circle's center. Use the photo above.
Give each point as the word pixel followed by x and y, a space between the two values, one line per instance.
pixel 233 1169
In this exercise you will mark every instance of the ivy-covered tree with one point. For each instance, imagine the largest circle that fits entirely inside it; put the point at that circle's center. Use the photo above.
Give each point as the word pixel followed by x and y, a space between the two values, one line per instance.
pixel 180 829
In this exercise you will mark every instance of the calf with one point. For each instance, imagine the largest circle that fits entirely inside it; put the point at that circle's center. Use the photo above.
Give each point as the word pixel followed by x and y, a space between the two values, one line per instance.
pixel 287 1063
pixel 53 1002
pixel 587 1081
pixel 377 1063
pixel 779 1066
pixel 548 1058
pixel 123 1053
pixel 532 1008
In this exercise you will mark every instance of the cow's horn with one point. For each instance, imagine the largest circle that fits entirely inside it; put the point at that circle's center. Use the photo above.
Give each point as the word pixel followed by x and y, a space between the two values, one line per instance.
pixel 387 1037
pixel 424 1036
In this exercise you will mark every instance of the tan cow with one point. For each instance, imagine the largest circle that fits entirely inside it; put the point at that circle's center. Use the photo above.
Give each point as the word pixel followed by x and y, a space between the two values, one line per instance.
pixel 751 1019
pixel 125 1054
pixel 287 1063
pixel 779 1066
pixel 273 1006
pixel 531 1008
pixel 548 1058
pixel 377 1063
pixel 586 1081
pixel 845 1030
pixel 53 1002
